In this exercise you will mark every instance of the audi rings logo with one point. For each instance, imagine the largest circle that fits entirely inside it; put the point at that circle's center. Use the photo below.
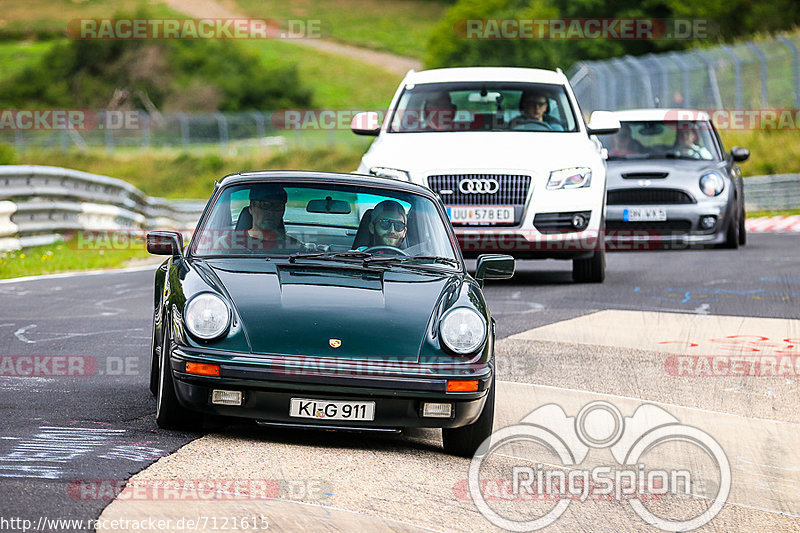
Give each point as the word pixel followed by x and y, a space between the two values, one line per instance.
pixel 479 186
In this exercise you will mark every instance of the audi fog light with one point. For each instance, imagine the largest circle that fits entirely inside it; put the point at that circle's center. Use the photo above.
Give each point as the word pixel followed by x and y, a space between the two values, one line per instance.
pixel 462 330
pixel 712 184
pixel 207 316
pixel 394 173
pixel 570 178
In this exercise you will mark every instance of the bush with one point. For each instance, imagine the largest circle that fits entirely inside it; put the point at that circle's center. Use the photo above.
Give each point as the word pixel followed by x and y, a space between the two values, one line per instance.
pixel 178 75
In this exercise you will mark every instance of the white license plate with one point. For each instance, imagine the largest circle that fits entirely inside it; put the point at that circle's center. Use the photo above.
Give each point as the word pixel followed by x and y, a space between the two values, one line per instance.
pixel 331 409
pixel 484 214
pixel 636 214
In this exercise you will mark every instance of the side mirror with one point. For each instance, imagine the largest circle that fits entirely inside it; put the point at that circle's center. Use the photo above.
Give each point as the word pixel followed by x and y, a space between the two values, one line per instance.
pixel 164 243
pixel 740 154
pixel 602 123
pixel 366 123
pixel 494 266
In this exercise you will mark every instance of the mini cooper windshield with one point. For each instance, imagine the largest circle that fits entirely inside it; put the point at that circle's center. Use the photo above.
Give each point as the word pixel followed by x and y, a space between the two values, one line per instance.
pixel 685 139
pixel 483 106
pixel 325 221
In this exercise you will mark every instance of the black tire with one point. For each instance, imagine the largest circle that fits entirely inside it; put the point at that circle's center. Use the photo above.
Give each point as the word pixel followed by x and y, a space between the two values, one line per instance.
pixel 169 413
pixel 464 441
pixel 732 235
pixel 155 356
pixel 591 270
pixel 742 229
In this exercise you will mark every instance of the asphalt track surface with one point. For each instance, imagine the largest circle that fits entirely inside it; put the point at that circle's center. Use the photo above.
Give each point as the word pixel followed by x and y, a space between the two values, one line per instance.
pixel 64 437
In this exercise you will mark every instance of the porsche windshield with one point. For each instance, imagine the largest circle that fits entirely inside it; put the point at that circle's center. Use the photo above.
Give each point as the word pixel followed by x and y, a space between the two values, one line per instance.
pixel 335 221
pixel 483 106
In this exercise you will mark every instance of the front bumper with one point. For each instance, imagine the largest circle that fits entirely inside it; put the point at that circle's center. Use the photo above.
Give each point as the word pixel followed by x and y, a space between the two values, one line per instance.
pixel 682 226
pixel 269 383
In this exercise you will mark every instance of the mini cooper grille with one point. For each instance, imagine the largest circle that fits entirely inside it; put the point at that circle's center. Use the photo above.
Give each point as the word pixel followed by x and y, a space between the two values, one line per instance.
pixel 644 175
pixel 677 225
pixel 648 197
pixel 513 189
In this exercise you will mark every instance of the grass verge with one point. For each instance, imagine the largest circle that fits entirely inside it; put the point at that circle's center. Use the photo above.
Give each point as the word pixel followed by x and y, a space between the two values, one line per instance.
pixel 401 27
pixel 62 257
pixel 177 173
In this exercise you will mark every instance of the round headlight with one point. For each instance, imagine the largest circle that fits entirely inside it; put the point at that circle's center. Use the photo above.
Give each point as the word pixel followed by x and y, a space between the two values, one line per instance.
pixel 207 316
pixel 462 330
pixel 711 184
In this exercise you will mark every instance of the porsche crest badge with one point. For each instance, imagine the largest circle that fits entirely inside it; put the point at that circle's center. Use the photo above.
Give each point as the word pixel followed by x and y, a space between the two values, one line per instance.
pixel 335 343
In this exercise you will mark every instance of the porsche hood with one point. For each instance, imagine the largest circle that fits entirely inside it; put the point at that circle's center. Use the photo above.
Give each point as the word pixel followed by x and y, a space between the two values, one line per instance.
pixel 323 311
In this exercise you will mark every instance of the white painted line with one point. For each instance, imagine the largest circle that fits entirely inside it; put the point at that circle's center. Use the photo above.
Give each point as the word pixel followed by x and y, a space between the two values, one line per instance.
pixel 675 333
pixel 654 402
pixel 76 274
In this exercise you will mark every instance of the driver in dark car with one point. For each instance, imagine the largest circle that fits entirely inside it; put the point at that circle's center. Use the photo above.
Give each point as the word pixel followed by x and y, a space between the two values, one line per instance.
pixel 388 225
pixel 267 206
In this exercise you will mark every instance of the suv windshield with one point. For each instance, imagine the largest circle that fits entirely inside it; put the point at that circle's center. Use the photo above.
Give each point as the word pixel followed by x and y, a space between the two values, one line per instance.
pixel 483 106
pixel 686 139
pixel 285 219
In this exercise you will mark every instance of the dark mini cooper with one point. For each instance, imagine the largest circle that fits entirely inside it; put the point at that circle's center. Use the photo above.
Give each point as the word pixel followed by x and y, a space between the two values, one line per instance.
pixel 324 300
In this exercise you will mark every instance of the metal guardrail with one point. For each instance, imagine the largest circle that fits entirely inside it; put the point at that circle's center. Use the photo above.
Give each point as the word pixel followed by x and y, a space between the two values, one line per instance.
pixel 777 192
pixel 38 204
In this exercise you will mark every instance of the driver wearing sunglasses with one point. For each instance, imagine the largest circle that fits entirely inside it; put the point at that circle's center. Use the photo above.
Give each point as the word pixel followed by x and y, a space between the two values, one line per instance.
pixel 388 225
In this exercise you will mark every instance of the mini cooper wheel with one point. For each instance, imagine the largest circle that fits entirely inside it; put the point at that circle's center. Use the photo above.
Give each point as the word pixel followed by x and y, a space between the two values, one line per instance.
pixel 742 229
pixel 169 413
pixel 732 235
pixel 464 441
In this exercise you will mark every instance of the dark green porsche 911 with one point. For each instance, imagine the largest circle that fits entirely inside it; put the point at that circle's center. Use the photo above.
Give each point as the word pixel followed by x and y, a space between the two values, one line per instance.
pixel 324 300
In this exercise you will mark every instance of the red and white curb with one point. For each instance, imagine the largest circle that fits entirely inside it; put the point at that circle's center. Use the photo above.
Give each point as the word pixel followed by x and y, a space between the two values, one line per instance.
pixel 785 224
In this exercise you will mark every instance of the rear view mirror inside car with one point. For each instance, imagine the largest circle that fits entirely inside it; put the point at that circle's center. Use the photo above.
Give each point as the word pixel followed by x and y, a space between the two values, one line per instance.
pixel 328 205
pixel 488 98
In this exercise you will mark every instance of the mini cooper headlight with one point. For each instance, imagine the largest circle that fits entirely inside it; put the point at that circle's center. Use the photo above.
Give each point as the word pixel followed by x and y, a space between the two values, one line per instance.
pixel 462 330
pixel 570 178
pixel 384 172
pixel 712 184
pixel 207 316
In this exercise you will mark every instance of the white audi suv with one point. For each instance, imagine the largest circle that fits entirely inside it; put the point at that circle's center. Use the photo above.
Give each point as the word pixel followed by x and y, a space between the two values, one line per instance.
pixel 508 153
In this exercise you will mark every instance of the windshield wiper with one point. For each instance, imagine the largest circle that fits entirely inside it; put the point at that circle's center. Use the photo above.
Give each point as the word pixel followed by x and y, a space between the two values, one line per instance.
pixel 351 254
pixel 406 258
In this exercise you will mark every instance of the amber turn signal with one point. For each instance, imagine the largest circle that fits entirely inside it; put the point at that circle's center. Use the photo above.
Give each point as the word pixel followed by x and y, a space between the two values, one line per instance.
pixel 462 385
pixel 202 369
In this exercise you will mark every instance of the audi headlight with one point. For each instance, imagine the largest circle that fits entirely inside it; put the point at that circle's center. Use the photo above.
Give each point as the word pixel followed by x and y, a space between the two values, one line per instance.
pixel 207 316
pixel 570 178
pixel 712 184
pixel 462 330
pixel 394 173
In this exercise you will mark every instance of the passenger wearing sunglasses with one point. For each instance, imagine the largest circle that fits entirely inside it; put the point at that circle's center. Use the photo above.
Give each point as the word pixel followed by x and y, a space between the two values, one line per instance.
pixel 388 224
